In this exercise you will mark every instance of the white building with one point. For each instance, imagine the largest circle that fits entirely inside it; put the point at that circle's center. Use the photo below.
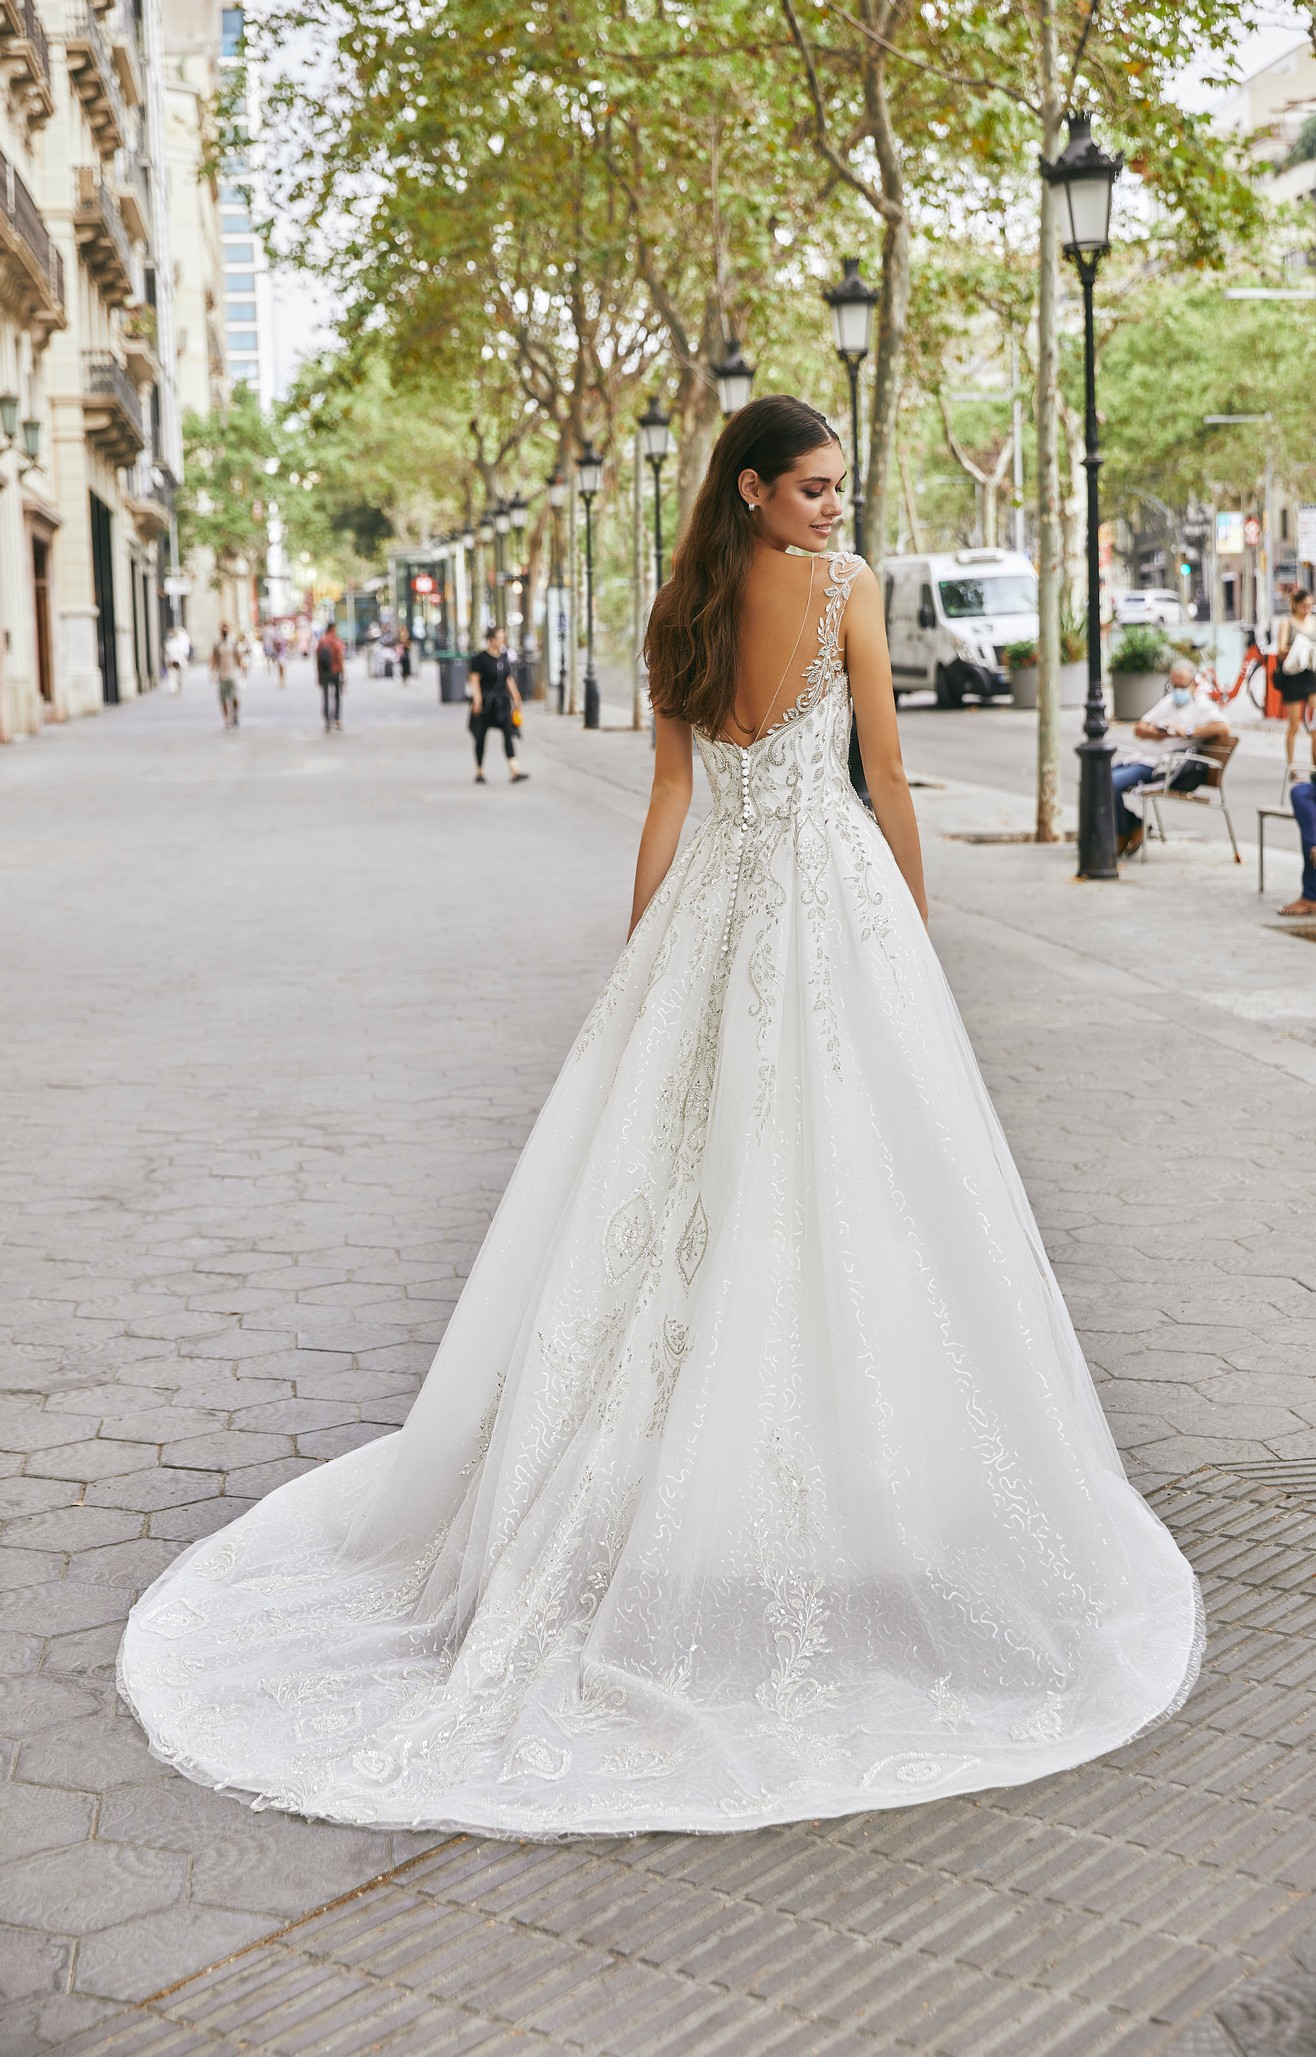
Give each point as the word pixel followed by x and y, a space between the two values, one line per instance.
pixel 88 357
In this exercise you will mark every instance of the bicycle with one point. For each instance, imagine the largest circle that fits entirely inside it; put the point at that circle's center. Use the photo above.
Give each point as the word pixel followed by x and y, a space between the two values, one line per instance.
pixel 1253 676
pixel 1256 675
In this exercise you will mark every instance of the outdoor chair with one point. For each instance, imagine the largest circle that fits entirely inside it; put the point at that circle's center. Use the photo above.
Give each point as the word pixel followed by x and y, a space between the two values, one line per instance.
pixel 1215 755
pixel 1284 813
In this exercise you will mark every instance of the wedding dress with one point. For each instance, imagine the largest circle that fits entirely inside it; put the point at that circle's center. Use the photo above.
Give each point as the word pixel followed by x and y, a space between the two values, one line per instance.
pixel 759 1475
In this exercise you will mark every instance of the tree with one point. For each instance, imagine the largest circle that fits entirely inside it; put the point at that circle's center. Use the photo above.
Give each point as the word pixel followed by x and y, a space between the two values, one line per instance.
pixel 223 504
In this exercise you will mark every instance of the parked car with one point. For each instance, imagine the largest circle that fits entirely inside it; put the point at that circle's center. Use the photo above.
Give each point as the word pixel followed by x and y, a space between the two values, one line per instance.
pixel 1155 605
pixel 950 617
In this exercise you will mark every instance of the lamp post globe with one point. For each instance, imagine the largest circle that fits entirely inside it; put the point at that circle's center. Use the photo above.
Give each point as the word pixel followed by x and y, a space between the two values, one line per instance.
pixel 589 475
pixel 1084 176
pixel 852 304
pixel 557 489
pixel 734 375
pixel 656 441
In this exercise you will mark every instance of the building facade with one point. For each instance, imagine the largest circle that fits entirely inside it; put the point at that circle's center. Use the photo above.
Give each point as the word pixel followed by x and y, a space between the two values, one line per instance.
pixel 87 357
pixel 34 291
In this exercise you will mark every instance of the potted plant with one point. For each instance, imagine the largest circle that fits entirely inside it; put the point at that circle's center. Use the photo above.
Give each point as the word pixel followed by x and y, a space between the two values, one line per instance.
pixel 1073 658
pixel 1138 664
pixel 1021 663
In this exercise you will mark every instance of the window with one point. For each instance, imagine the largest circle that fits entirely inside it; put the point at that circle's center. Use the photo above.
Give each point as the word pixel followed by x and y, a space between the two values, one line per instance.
pixel 240 282
pixel 232 196
pixel 235 224
pixel 230 31
pixel 1013 592
pixel 239 253
pixel 242 339
pixel 241 310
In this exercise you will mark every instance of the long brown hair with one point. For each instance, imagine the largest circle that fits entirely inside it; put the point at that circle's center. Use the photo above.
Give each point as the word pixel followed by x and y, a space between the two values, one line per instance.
pixel 690 643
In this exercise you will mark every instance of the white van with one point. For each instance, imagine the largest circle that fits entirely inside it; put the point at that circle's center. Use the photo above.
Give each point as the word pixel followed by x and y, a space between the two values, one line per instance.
pixel 950 617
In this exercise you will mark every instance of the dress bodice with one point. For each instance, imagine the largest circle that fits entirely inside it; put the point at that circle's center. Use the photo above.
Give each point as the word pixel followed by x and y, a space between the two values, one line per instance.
pixel 806 752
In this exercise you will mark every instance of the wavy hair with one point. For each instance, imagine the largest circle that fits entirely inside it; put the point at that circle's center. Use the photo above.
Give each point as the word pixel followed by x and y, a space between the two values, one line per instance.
pixel 690 643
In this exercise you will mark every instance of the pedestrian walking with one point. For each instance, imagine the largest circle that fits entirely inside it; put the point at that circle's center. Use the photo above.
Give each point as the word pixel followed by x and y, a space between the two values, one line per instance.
pixel 404 655
pixel 267 639
pixel 281 656
pixel 495 704
pixel 178 655
pixel 226 669
pixel 1295 670
pixel 330 664
pixel 759 1476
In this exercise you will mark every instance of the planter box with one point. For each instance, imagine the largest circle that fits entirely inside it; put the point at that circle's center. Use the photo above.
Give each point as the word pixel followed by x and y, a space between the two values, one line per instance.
pixel 1135 693
pixel 1073 685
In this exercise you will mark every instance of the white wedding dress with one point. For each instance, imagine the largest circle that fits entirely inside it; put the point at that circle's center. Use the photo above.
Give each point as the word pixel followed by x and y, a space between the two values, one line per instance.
pixel 759 1475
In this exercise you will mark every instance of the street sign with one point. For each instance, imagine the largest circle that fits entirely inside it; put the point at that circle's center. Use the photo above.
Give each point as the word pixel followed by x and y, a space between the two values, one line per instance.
pixel 1229 533
pixel 179 588
pixel 423 584
pixel 1252 531
pixel 1307 535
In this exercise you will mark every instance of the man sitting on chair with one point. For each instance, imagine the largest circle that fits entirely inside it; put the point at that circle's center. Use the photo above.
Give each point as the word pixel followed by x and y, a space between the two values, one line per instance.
pixel 1182 717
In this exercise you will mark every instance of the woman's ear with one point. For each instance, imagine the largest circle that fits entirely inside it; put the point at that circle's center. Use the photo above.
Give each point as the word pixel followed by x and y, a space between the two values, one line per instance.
pixel 750 487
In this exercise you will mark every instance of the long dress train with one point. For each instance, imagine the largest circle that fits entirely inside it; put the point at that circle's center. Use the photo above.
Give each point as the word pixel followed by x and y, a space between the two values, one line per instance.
pixel 759 1475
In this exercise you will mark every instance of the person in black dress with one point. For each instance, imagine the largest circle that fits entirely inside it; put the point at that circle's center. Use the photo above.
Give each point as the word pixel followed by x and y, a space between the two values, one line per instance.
pixel 494 703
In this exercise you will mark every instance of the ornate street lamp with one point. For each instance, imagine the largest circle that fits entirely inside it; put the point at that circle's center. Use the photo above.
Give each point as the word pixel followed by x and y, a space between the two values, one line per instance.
pixel 656 442
pixel 1085 177
pixel 735 378
pixel 558 493
pixel 852 304
pixel 488 612
pixel 518 514
pixel 467 540
pixel 502 521
pixel 589 474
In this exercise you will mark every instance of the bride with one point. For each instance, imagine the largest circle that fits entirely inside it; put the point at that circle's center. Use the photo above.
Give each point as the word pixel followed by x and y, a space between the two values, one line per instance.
pixel 759 1475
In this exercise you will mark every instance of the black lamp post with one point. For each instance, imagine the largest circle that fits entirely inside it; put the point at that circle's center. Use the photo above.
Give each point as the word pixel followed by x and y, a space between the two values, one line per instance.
pixel 502 522
pixel 488 607
pixel 589 471
pixel 656 441
pixel 735 377
pixel 1086 177
pixel 558 490
pixel 518 509
pixel 852 304
pixel 467 541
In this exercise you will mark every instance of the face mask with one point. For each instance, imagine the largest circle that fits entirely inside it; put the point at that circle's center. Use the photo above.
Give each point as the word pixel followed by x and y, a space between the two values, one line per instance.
pixel 1181 695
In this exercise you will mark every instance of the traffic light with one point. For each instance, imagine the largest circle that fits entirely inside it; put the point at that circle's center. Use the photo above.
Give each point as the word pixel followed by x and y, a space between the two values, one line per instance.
pixel 1185 569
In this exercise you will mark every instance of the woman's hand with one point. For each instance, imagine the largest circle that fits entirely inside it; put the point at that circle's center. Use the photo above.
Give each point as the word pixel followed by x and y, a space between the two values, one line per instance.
pixel 863 631
pixel 669 803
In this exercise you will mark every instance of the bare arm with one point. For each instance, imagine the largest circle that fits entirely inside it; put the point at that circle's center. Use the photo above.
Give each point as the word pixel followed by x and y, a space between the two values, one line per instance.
pixel 669 803
pixel 866 659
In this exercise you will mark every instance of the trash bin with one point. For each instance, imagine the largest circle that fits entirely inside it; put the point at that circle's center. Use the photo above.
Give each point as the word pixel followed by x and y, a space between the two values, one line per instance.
pixel 452 676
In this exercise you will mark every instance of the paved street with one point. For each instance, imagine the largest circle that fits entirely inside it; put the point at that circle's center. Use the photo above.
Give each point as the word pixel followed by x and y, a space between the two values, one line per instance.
pixel 279 1010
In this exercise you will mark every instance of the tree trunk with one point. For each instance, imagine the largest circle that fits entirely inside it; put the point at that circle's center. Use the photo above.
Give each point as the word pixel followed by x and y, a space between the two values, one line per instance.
pixel 1048 465
pixel 888 369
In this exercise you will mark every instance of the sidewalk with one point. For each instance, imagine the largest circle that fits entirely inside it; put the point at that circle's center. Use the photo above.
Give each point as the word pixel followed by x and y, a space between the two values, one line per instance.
pixel 281 1010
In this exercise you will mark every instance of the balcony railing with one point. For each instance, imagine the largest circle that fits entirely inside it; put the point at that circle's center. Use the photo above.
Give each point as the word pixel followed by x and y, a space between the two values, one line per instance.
pixel 134 195
pixel 26 59
pixel 29 240
pixel 96 82
pixel 126 48
pixel 112 407
pixel 102 239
